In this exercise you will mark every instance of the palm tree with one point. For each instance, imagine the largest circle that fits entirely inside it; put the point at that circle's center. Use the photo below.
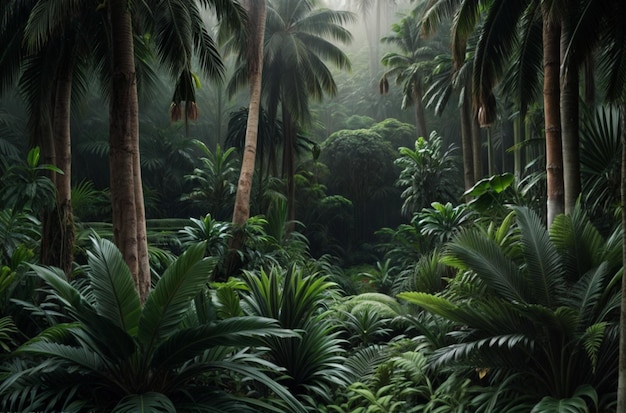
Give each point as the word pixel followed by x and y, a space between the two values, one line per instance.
pixel 177 32
pixel 497 39
pixel 108 353
pixel 297 42
pixel 453 75
pixel 599 25
pixel 257 10
pixel 409 67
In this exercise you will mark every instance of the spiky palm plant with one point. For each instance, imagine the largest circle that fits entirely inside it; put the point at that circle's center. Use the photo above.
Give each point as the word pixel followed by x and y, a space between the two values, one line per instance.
pixel 313 362
pixel 548 308
pixel 112 354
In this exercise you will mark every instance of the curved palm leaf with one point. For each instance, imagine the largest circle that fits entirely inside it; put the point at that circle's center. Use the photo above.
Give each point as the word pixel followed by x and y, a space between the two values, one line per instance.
pixel 170 299
pixel 113 287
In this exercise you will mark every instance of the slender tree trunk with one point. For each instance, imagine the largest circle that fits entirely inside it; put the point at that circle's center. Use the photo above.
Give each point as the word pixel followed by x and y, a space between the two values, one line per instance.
pixel 420 117
pixel 571 146
pixel 289 165
pixel 621 383
pixel 552 113
pixel 257 13
pixel 517 139
pixel 57 250
pixel 126 190
pixel 466 143
pixel 241 212
pixel 477 147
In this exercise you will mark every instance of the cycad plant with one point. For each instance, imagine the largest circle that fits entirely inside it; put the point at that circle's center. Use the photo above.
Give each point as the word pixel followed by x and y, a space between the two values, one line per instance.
pixel 548 309
pixel 313 363
pixel 110 354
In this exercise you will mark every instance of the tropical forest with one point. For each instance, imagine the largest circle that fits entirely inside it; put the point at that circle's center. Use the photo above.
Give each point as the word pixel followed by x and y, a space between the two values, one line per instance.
pixel 313 206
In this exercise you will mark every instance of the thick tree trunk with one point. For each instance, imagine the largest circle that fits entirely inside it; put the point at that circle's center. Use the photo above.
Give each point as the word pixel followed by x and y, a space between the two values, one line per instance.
pixel 552 113
pixel 126 190
pixel 257 13
pixel 570 129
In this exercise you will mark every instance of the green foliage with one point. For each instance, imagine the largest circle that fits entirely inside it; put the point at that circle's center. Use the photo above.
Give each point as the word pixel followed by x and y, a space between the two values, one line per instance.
pixel 574 404
pixel 110 354
pixel 313 363
pixel 359 122
pixel 397 133
pixel 7 327
pixel 89 203
pixel 17 230
pixel 360 163
pixel 427 175
pixel 26 186
pixel 600 159
pixel 533 305
pixel 441 222
pixel 214 234
pixel 215 182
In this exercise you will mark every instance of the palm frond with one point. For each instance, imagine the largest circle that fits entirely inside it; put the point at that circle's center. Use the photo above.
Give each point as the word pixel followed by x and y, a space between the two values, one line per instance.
pixel 145 403
pixel 113 287
pixel 172 296
pixel 236 332
pixel 473 250
pixel 544 269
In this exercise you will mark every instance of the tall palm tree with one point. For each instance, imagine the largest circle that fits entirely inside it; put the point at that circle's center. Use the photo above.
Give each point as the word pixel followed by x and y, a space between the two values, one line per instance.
pixel 410 66
pixel 497 39
pixel 453 74
pixel 298 41
pixel 177 30
pixel 600 25
pixel 257 11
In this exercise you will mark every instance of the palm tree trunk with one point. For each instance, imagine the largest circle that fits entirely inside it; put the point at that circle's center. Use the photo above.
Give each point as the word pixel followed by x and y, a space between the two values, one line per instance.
pixel 552 113
pixel 477 147
pixel 57 250
pixel 621 383
pixel 420 118
pixel 289 165
pixel 571 146
pixel 126 189
pixel 257 13
pixel 466 143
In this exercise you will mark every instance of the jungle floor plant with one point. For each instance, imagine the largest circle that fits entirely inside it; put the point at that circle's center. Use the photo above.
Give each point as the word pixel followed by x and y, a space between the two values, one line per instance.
pixel 107 353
